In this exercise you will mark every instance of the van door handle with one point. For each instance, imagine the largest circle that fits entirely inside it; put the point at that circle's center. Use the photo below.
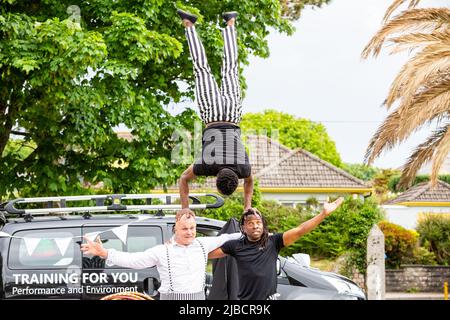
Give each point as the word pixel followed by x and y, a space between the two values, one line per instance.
pixel 151 285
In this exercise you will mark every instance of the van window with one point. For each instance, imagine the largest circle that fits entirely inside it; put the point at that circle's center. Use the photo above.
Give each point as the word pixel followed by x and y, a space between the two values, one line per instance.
pixel 45 249
pixel 139 238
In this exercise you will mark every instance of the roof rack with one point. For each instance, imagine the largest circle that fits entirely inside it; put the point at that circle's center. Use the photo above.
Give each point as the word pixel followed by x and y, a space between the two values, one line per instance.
pixel 59 204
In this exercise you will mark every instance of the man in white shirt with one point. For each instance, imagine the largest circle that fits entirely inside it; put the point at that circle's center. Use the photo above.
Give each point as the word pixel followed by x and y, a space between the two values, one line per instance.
pixel 181 263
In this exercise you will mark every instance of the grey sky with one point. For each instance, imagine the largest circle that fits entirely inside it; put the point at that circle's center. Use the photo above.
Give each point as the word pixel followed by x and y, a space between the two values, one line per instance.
pixel 318 74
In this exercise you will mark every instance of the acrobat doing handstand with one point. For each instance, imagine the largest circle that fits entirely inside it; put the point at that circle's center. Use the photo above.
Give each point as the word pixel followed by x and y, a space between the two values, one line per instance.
pixel 223 154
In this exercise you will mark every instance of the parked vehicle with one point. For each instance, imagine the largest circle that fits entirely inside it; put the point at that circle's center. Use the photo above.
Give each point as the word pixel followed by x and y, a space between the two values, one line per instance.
pixel 298 281
pixel 40 256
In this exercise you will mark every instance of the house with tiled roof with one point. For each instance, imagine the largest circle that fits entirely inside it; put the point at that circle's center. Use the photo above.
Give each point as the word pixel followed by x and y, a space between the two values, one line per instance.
pixel 125 135
pixel 421 198
pixel 291 176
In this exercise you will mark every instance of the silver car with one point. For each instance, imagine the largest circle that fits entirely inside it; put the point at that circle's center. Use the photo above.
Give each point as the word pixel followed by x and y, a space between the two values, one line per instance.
pixel 297 280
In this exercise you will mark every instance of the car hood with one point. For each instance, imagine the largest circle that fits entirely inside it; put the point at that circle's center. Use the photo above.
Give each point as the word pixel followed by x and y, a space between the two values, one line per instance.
pixel 315 278
pixel 287 292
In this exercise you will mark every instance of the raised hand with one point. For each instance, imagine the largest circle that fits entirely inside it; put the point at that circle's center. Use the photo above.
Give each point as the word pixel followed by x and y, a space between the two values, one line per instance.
pixel 94 248
pixel 329 207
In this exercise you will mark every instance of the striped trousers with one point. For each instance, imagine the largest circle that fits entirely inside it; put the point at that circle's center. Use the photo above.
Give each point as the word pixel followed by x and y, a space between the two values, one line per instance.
pixel 214 104
pixel 182 296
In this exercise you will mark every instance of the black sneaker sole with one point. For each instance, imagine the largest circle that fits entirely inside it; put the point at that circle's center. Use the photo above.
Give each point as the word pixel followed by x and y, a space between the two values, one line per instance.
pixel 229 15
pixel 186 15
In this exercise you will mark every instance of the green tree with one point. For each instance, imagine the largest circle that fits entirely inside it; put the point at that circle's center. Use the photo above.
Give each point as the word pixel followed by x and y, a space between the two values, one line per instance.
pixel 345 230
pixel 394 181
pixel 293 133
pixel 72 71
pixel 361 171
pixel 381 184
pixel 434 230
pixel 292 8
pixel 18 148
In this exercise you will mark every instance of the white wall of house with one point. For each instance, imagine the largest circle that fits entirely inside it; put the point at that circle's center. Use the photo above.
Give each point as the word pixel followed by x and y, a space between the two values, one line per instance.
pixel 407 216
pixel 293 199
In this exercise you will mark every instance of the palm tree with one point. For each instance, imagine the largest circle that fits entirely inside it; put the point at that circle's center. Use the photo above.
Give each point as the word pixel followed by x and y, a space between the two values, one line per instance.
pixel 421 90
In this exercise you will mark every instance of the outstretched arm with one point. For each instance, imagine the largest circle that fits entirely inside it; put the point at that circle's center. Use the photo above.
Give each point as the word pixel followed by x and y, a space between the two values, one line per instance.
pixel 290 236
pixel 187 176
pixel 135 260
pixel 216 254
pixel 248 192
pixel 94 248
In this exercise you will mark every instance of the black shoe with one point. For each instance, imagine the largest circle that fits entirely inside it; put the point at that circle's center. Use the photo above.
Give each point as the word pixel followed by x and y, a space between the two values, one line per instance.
pixel 229 15
pixel 186 15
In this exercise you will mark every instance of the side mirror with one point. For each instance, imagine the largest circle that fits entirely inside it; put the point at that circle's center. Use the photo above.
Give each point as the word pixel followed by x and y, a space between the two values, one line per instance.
pixel 278 266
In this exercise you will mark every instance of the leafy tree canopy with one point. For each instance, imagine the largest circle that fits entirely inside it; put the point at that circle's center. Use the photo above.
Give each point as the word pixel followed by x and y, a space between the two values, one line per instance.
pixel 293 133
pixel 361 171
pixel 293 8
pixel 72 71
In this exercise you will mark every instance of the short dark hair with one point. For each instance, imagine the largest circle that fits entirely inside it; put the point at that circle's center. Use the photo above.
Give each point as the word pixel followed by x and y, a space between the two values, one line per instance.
pixel 227 181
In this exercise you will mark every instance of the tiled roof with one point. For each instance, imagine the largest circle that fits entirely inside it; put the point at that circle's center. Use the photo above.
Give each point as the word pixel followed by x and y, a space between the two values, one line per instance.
pixel 276 166
pixel 125 135
pixel 423 192
pixel 295 168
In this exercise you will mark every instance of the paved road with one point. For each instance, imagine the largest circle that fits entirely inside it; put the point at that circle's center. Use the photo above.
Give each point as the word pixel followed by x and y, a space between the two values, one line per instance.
pixel 414 296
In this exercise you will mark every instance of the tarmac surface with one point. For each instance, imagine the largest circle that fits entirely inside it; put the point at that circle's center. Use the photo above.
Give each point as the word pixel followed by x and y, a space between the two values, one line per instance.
pixel 414 296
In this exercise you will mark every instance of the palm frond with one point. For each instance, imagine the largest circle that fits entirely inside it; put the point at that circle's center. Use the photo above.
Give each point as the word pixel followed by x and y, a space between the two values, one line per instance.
pixel 415 40
pixel 415 117
pixel 434 92
pixel 414 19
pixel 430 97
pixel 422 87
pixel 384 138
pixel 440 154
pixel 427 105
pixel 422 67
pixel 423 153
pixel 395 5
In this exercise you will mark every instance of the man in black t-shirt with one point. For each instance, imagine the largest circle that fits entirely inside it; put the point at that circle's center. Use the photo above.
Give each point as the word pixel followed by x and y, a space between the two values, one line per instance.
pixel 257 252
pixel 223 154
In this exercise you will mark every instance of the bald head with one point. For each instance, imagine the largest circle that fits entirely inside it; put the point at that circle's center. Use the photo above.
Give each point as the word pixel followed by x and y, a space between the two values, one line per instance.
pixel 186 213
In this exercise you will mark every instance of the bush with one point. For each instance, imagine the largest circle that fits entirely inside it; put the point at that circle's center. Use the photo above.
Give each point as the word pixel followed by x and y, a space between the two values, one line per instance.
pixel 234 205
pixel 345 230
pixel 434 232
pixel 402 247
pixel 233 208
pixel 352 222
pixel 399 244
pixel 421 255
